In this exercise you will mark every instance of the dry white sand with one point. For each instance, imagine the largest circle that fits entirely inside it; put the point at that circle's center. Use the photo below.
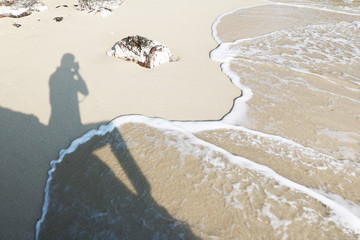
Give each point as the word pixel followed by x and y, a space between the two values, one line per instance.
pixel 192 88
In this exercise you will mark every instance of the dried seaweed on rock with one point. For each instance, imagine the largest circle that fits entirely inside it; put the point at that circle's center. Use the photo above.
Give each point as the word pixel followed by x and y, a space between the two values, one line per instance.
pixel 145 52
pixel 19 8
pixel 105 7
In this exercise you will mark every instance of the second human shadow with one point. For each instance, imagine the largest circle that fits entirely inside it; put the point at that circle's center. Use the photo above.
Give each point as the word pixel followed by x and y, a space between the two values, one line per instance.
pixel 99 192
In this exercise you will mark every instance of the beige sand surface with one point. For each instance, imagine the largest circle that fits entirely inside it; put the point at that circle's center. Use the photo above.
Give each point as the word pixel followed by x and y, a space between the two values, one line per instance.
pixel 193 88
pixel 161 182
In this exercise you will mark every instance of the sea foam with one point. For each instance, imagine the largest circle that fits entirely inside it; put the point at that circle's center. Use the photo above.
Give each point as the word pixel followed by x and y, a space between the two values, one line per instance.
pixel 185 142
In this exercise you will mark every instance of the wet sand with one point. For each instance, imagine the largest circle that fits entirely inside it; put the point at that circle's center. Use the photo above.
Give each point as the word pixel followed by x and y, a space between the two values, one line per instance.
pixel 304 81
pixel 155 179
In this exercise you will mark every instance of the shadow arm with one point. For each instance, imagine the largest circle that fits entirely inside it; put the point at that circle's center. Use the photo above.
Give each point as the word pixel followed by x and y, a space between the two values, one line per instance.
pixel 81 85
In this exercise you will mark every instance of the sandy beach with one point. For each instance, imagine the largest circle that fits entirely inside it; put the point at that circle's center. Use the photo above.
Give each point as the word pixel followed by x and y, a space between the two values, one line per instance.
pixel 179 154
pixel 193 88
pixel 117 87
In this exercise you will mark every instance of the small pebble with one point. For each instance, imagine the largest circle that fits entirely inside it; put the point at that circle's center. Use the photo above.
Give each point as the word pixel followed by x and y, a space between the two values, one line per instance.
pixel 17 25
pixel 58 19
pixel 62 6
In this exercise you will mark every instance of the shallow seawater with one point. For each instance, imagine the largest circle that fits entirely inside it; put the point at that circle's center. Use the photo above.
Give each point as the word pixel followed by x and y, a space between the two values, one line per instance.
pixel 303 80
pixel 283 163
pixel 347 6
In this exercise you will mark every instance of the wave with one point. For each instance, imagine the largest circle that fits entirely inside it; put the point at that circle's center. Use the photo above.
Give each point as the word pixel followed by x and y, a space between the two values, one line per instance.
pixel 204 169
pixel 295 77
pixel 344 6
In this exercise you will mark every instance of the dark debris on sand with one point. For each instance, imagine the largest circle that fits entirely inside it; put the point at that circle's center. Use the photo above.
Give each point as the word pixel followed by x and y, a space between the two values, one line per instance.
pixel 17 25
pixel 58 19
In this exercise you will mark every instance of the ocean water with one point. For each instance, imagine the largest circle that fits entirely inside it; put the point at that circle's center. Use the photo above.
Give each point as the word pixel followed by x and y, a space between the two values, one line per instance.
pixel 299 80
pixel 284 163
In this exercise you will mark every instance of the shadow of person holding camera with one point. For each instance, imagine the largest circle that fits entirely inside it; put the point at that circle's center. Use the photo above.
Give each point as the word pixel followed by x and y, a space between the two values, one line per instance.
pixel 27 146
pixel 133 215
pixel 65 84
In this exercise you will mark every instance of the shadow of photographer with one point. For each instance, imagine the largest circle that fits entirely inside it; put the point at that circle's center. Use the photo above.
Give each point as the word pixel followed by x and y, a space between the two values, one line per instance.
pixel 26 149
pixel 99 192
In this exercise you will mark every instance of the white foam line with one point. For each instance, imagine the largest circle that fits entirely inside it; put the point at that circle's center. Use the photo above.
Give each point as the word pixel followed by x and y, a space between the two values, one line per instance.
pixel 237 114
pixel 345 217
pixel 341 214
pixel 352 206
pixel 313 7
pixel 195 127
pixel 218 19
pixel 73 146
pixel 226 45
pixel 306 72
pixel 322 77
pixel 104 129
